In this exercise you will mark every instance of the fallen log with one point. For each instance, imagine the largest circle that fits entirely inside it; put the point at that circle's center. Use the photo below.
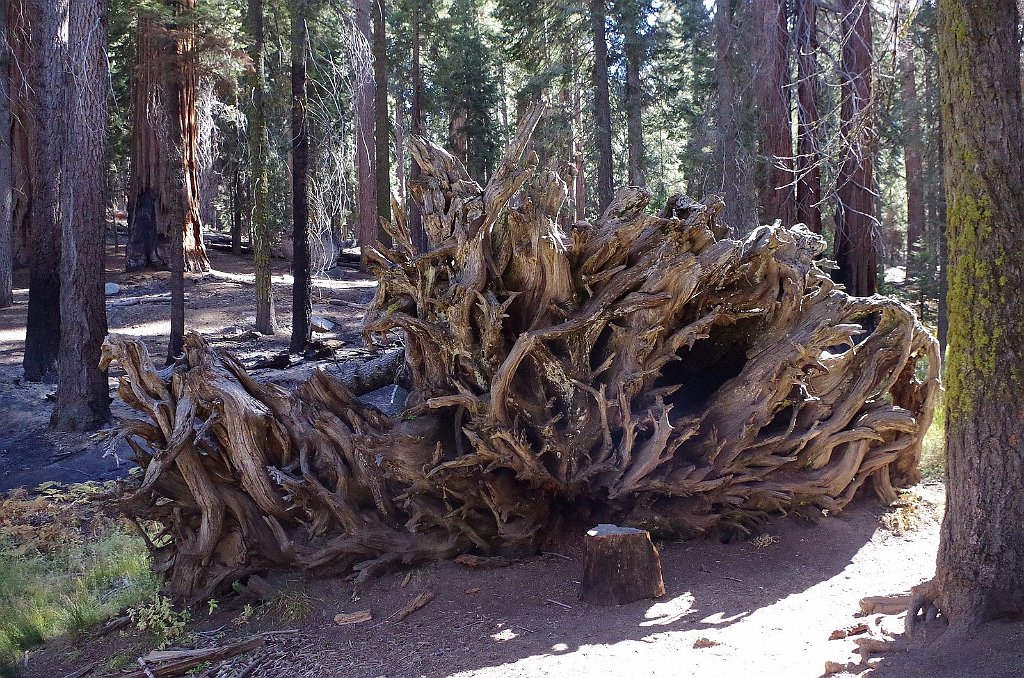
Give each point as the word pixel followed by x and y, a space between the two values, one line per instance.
pixel 647 370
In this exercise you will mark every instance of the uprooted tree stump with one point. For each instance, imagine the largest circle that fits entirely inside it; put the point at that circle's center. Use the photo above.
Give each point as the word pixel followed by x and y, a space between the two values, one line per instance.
pixel 620 565
pixel 644 370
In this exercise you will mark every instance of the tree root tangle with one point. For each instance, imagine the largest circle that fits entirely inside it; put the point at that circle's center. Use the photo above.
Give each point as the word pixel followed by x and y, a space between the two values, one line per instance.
pixel 644 370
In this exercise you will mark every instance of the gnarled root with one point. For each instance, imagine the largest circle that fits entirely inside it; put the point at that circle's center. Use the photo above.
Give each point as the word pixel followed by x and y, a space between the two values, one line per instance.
pixel 644 370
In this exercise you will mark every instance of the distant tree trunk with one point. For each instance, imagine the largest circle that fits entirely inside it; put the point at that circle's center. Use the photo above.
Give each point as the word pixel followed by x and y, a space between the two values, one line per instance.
pixel 147 218
pixel 6 169
pixel 366 191
pixel 458 141
pixel 301 307
pixel 400 156
pixel 602 105
pixel 913 162
pixel 416 123
pixel 208 143
pixel 943 263
pixel 382 125
pixel 259 150
pixel 980 566
pixel 633 50
pixel 83 401
pixel 855 207
pixel 47 137
pixel 808 187
pixel 737 179
pixel 776 139
pixel 236 207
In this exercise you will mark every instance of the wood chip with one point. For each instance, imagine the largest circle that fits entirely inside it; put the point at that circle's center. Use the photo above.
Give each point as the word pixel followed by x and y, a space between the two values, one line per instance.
pixel 353 617
pixel 473 591
pixel 417 602
pixel 846 631
pixel 405 582
pixel 552 600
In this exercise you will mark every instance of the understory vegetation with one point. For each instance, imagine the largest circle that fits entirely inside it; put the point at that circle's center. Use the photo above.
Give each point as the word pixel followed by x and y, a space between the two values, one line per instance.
pixel 65 566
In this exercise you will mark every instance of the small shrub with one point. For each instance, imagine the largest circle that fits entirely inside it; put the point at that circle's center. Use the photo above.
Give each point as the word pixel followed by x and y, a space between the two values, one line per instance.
pixel 161 619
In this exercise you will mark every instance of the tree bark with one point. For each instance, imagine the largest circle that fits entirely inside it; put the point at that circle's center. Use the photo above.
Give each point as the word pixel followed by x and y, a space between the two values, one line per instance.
pixel 633 367
pixel 147 217
pixel 602 105
pixel 6 167
pixel 366 156
pixel 634 49
pixel 737 175
pixel 47 137
pixel 855 248
pixel 301 305
pixel 980 566
pixel 83 401
pixel 778 200
pixel 417 234
pixel 808 159
pixel 620 565
pixel 259 152
pixel 382 124
pixel 913 163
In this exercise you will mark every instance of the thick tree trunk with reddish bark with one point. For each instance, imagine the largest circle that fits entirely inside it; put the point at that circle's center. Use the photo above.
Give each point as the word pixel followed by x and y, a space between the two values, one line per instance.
pixel 632 371
pixel 147 217
pixel 83 402
pixel 855 250
pixel 416 121
pixel 808 157
pixel 634 50
pixel 382 122
pixel 778 199
pixel 980 569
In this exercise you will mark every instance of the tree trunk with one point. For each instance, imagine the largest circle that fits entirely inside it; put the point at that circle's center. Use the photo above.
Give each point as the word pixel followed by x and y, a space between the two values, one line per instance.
pixel 366 155
pixel 620 566
pixel 236 207
pixel 301 306
pixel 913 163
pixel 147 217
pixel 632 369
pixel 980 568
pixel 602 105
pixel 737 176
pixel 83 401
pixel 382 125
pixel 776 139
pixel 259 152
pixel 6 167
pixel 634 49
pixel 808 158
pixel 416 123
pixel 855 250
pixel 47 137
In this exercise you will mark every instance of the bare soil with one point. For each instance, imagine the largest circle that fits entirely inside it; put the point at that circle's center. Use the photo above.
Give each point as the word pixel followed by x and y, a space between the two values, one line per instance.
pixel 761 607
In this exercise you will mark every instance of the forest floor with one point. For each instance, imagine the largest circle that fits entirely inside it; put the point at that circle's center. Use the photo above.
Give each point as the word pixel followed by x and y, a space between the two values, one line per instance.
pixel 761 607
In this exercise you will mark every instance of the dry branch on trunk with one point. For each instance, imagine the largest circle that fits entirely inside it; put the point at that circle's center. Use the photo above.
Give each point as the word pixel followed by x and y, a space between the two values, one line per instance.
pixel 643 370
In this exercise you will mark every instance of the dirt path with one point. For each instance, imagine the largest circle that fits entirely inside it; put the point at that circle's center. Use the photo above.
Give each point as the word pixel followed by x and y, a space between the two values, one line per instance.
pixel 760 608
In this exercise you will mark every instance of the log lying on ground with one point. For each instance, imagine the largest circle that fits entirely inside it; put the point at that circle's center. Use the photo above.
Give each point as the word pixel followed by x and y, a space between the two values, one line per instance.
pixel 643 370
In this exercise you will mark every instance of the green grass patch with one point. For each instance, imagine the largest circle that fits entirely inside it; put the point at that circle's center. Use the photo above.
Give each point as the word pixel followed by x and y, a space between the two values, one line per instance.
pixel 65 566
pixel 933 448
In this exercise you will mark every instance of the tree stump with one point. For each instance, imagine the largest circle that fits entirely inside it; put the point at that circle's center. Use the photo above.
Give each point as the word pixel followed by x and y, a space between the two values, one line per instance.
pixel 620 565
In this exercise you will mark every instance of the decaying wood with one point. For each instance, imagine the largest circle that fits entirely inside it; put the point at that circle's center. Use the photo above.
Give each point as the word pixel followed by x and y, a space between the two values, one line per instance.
pixel 168 663
pixel 359 617
pixel 416 603
pixel 645 370
pixel 620 565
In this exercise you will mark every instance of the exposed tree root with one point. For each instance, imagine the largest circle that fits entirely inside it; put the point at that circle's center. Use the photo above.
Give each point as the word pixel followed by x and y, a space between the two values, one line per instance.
pixel 645 370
